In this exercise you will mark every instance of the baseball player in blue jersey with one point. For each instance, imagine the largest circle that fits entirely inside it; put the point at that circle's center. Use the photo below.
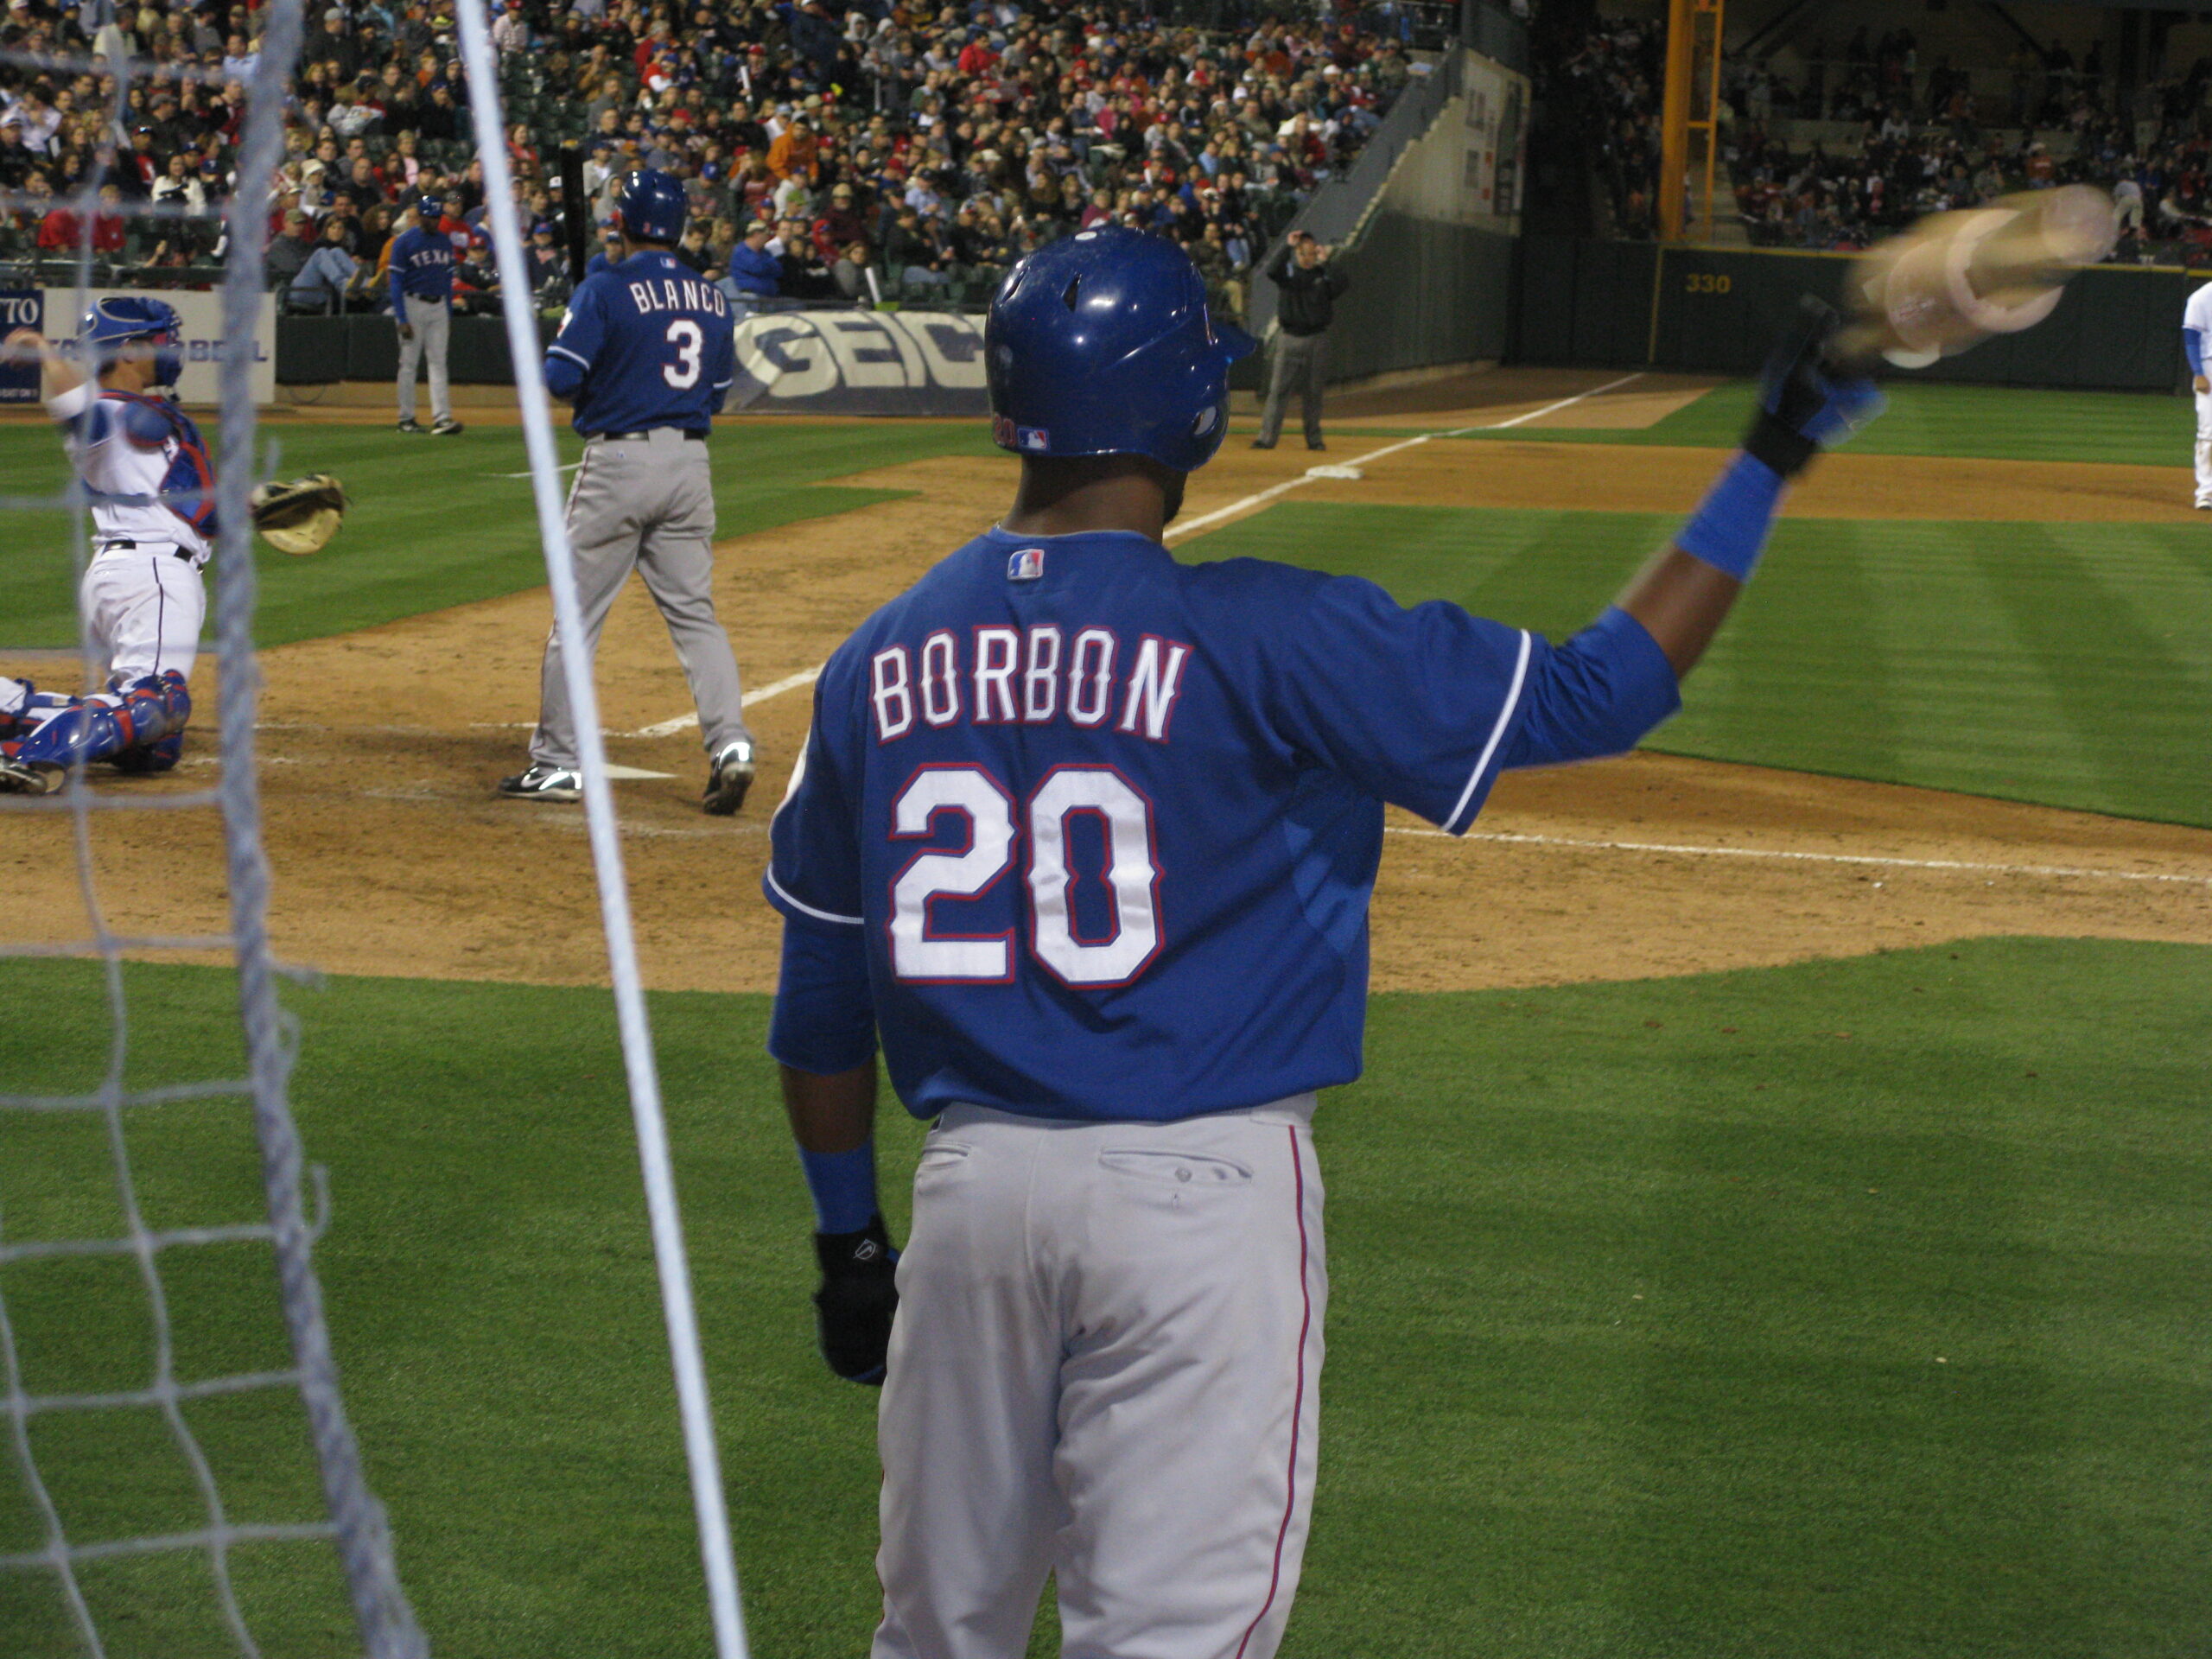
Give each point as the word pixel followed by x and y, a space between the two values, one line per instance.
pixel 422 304
pixel 145 469
pixel 646 355
pixel 1087 837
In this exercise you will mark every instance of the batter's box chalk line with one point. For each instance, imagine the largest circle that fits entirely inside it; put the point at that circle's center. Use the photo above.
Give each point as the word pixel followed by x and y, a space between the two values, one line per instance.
pixel 1350 474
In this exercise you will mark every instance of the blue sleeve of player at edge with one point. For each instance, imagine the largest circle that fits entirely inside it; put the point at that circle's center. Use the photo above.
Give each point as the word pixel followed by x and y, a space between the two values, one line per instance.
pixel 400 249
pixel 824 1017
pixel 1597 695
pixel 2192 346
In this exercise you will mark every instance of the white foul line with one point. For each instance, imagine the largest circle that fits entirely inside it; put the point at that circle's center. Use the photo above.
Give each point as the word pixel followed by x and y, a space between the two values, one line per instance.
pixel 1809 858
pixel 684 722
pixel 1312 474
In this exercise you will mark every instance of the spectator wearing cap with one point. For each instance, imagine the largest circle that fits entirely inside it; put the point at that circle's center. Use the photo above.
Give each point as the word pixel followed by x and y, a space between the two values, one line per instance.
pixel 910 246
pixel 841 224
pixel 543 261
pixel 289 254
pixel 796 152
pixel 755 274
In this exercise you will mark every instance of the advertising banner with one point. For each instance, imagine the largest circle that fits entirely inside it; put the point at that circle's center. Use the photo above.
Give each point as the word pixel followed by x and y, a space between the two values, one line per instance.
pixel 20 308
pixel 203 315
pixel 860 363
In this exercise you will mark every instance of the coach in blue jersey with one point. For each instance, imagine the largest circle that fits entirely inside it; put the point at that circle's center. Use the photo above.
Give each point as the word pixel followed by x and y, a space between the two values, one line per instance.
pixel 646 354
pixel 1087 837
pixel 422 304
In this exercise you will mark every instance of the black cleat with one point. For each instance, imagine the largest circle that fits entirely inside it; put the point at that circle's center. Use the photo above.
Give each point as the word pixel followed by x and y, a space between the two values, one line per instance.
pixel 544 784
pixel 729 776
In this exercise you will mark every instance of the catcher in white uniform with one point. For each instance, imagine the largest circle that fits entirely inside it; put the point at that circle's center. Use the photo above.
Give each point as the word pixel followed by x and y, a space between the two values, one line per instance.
pixel 146 470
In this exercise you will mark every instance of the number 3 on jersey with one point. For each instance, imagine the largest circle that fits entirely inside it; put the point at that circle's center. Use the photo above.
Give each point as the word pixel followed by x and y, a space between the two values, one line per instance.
pixel 923 953
pixel 685 334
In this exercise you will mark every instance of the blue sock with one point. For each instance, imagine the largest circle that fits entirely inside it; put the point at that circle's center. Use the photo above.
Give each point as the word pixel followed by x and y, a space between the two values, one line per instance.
pixel 843 1186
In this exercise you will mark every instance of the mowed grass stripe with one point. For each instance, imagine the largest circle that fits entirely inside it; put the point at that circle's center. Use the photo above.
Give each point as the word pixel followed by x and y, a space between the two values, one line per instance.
pixel 2005 659
pixel 435 522
pixel 1852 1311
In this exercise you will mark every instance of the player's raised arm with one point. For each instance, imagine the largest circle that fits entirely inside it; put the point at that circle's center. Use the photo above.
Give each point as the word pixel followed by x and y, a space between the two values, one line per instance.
pixel 57 375
pixel 1682 595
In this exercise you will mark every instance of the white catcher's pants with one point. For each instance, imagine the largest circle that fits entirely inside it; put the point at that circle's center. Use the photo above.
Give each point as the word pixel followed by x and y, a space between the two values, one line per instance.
pixel 1106 1365
pixel 2203 447
pixel 144 609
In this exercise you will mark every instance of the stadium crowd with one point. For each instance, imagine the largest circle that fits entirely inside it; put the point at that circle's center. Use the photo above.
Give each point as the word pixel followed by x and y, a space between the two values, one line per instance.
pixel 1917 139
pixel 831 149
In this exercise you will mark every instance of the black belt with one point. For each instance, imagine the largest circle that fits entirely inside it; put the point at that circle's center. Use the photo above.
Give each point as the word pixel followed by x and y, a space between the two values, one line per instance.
pixel 177 548
pixel 639 437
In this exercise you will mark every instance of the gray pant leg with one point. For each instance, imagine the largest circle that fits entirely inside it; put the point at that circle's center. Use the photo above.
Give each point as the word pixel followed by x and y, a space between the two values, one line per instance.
pixel 676 558
pixel 410 358
pixel 1279 380
pixel 1316 373
pixel 434 325
pixel 605 507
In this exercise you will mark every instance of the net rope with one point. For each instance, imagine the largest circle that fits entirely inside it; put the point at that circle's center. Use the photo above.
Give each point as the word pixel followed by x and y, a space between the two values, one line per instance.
pixel 356 1523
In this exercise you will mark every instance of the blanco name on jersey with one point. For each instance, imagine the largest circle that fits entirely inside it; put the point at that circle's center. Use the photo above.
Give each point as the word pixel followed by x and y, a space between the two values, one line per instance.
pixel 1029 677
pixel 662 294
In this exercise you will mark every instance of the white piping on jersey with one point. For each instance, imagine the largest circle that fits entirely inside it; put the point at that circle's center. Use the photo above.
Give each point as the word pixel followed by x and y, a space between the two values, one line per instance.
pixel 819 915
pixel 564 351
pixel 1497 732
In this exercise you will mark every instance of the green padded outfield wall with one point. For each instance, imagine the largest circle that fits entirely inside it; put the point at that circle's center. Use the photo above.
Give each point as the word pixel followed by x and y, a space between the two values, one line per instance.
pixel 1637 305
pixel 1422 292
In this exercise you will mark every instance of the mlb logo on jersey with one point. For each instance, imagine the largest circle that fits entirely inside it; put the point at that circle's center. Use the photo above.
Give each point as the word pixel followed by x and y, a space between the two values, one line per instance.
pixel 1026 565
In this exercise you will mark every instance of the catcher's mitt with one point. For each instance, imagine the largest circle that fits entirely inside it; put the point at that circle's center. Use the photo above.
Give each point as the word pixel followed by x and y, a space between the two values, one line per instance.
pixel 299 515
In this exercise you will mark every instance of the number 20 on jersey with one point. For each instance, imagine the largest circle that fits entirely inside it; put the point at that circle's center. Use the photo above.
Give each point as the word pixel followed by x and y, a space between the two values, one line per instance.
pixel 924 950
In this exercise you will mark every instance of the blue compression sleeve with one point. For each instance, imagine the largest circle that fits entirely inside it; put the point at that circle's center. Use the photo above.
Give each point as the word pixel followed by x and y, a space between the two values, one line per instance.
pixel 1596 695
pixel 843 1186
pixel 824 1018
pixel 1729 529
pixel 2192 347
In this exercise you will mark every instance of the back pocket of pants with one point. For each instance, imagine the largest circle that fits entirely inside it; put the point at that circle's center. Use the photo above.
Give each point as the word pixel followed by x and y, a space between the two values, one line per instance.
pixel 1176 1169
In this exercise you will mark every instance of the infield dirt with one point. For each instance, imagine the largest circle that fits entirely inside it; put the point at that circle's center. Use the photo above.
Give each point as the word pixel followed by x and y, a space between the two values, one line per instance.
pixel 393 856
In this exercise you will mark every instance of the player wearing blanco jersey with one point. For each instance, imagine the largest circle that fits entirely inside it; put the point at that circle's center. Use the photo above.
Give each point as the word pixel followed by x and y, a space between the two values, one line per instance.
pixel 647 355
pixel 2196 327
pixel 146 471
pixel 1088 836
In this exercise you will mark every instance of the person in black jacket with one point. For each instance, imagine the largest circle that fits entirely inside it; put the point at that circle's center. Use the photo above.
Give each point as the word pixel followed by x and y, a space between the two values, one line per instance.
pixel 1307 290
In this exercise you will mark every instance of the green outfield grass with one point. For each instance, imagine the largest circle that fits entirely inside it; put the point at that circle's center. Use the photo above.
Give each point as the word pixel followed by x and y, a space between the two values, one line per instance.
pixel 1924 418
pixel 2065 664
pixel 437 521
pixel 1851 1311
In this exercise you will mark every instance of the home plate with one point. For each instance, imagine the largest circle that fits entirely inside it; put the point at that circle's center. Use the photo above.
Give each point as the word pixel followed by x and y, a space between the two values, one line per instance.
pixel 627 774
pixel 1334 472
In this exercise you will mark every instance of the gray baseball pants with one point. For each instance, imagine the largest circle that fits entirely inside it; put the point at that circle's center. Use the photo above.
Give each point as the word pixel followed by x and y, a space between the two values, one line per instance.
pixel 1301 364
pixel 647 503
pixel 432 321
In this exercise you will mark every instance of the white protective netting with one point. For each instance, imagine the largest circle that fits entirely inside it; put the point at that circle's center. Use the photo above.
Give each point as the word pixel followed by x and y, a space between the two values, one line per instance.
pixel 356 1522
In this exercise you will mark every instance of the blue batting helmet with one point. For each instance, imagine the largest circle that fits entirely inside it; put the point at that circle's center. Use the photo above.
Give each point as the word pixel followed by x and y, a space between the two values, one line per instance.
pixel 653 207
pixel 123 318
pixel 431 209
pixel 1100 345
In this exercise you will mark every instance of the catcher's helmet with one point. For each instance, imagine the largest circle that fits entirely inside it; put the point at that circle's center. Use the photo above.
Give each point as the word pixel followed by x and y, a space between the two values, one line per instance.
pixel 1100 345
pixel 118 320
pixel 653 207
